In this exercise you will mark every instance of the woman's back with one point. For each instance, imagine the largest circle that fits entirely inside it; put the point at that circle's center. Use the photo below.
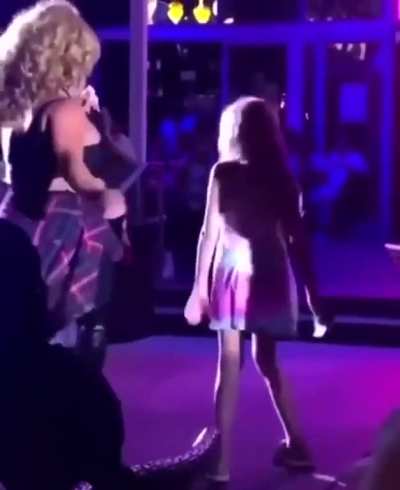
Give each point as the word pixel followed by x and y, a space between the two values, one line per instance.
pixel 37 159
pixel 246 208
pixel 34 166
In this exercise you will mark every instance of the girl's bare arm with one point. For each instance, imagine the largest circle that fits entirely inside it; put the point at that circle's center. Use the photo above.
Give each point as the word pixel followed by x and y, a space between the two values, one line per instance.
pixel 208 236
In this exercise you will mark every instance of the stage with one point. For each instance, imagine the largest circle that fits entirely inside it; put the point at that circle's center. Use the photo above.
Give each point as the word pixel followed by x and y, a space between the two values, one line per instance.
pixel 343 394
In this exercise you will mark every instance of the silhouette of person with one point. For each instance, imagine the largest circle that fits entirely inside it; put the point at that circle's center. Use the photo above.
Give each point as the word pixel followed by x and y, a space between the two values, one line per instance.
pixel 61 422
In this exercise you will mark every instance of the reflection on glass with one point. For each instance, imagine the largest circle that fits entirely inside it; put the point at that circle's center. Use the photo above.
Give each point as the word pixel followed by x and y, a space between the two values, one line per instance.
pixel 259 71
pixel 339 183
pixel 340 173
pixel 343 9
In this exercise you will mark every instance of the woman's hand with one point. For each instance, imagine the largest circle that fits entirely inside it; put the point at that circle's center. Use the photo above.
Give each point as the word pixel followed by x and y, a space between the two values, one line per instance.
pixel 196 308
pixel 59 184
pixel 90 100
pixel 322 319
pixel 114 204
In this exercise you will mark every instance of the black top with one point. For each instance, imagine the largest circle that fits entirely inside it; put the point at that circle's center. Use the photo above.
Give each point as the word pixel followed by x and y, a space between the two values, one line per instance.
pixel 98 157
pixel 102 161
pixel 35 165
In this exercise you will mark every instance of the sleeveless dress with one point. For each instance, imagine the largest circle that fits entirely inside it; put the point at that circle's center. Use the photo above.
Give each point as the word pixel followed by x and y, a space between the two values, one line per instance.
pixel 253 287
pixel 68 230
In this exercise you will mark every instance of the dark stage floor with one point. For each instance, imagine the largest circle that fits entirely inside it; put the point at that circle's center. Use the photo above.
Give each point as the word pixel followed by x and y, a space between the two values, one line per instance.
pixel 343 395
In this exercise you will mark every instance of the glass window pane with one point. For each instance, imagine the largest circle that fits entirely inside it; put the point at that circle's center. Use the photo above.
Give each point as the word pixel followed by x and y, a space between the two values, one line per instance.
pixel 259 71
pixel 114 90
pixel 343 172
pixel 344 9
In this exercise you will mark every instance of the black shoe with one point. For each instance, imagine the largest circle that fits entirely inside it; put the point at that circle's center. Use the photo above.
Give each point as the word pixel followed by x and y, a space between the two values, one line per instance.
pixel 295 458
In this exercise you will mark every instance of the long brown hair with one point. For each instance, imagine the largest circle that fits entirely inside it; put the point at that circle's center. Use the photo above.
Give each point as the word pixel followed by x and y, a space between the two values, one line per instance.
pixel 250 134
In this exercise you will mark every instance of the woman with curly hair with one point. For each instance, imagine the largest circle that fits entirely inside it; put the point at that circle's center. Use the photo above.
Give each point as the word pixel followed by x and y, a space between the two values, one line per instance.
pixel 47 54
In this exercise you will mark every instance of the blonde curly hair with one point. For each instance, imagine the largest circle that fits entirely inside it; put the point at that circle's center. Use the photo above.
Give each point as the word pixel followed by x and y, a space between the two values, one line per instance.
pixel 46 50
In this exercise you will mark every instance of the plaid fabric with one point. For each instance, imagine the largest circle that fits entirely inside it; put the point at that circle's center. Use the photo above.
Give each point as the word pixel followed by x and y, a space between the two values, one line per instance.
pixel 73 240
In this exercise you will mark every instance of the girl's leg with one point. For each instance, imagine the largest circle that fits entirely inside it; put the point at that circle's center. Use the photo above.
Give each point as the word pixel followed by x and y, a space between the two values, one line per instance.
pixel 230 362
pixel 264 354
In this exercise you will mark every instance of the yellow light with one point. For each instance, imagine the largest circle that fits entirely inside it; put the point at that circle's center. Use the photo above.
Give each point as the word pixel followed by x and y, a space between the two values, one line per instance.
pixel 176 12
pixel 202 13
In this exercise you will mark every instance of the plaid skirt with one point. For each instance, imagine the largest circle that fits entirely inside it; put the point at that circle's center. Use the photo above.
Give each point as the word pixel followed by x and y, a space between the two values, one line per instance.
pixel 73 241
